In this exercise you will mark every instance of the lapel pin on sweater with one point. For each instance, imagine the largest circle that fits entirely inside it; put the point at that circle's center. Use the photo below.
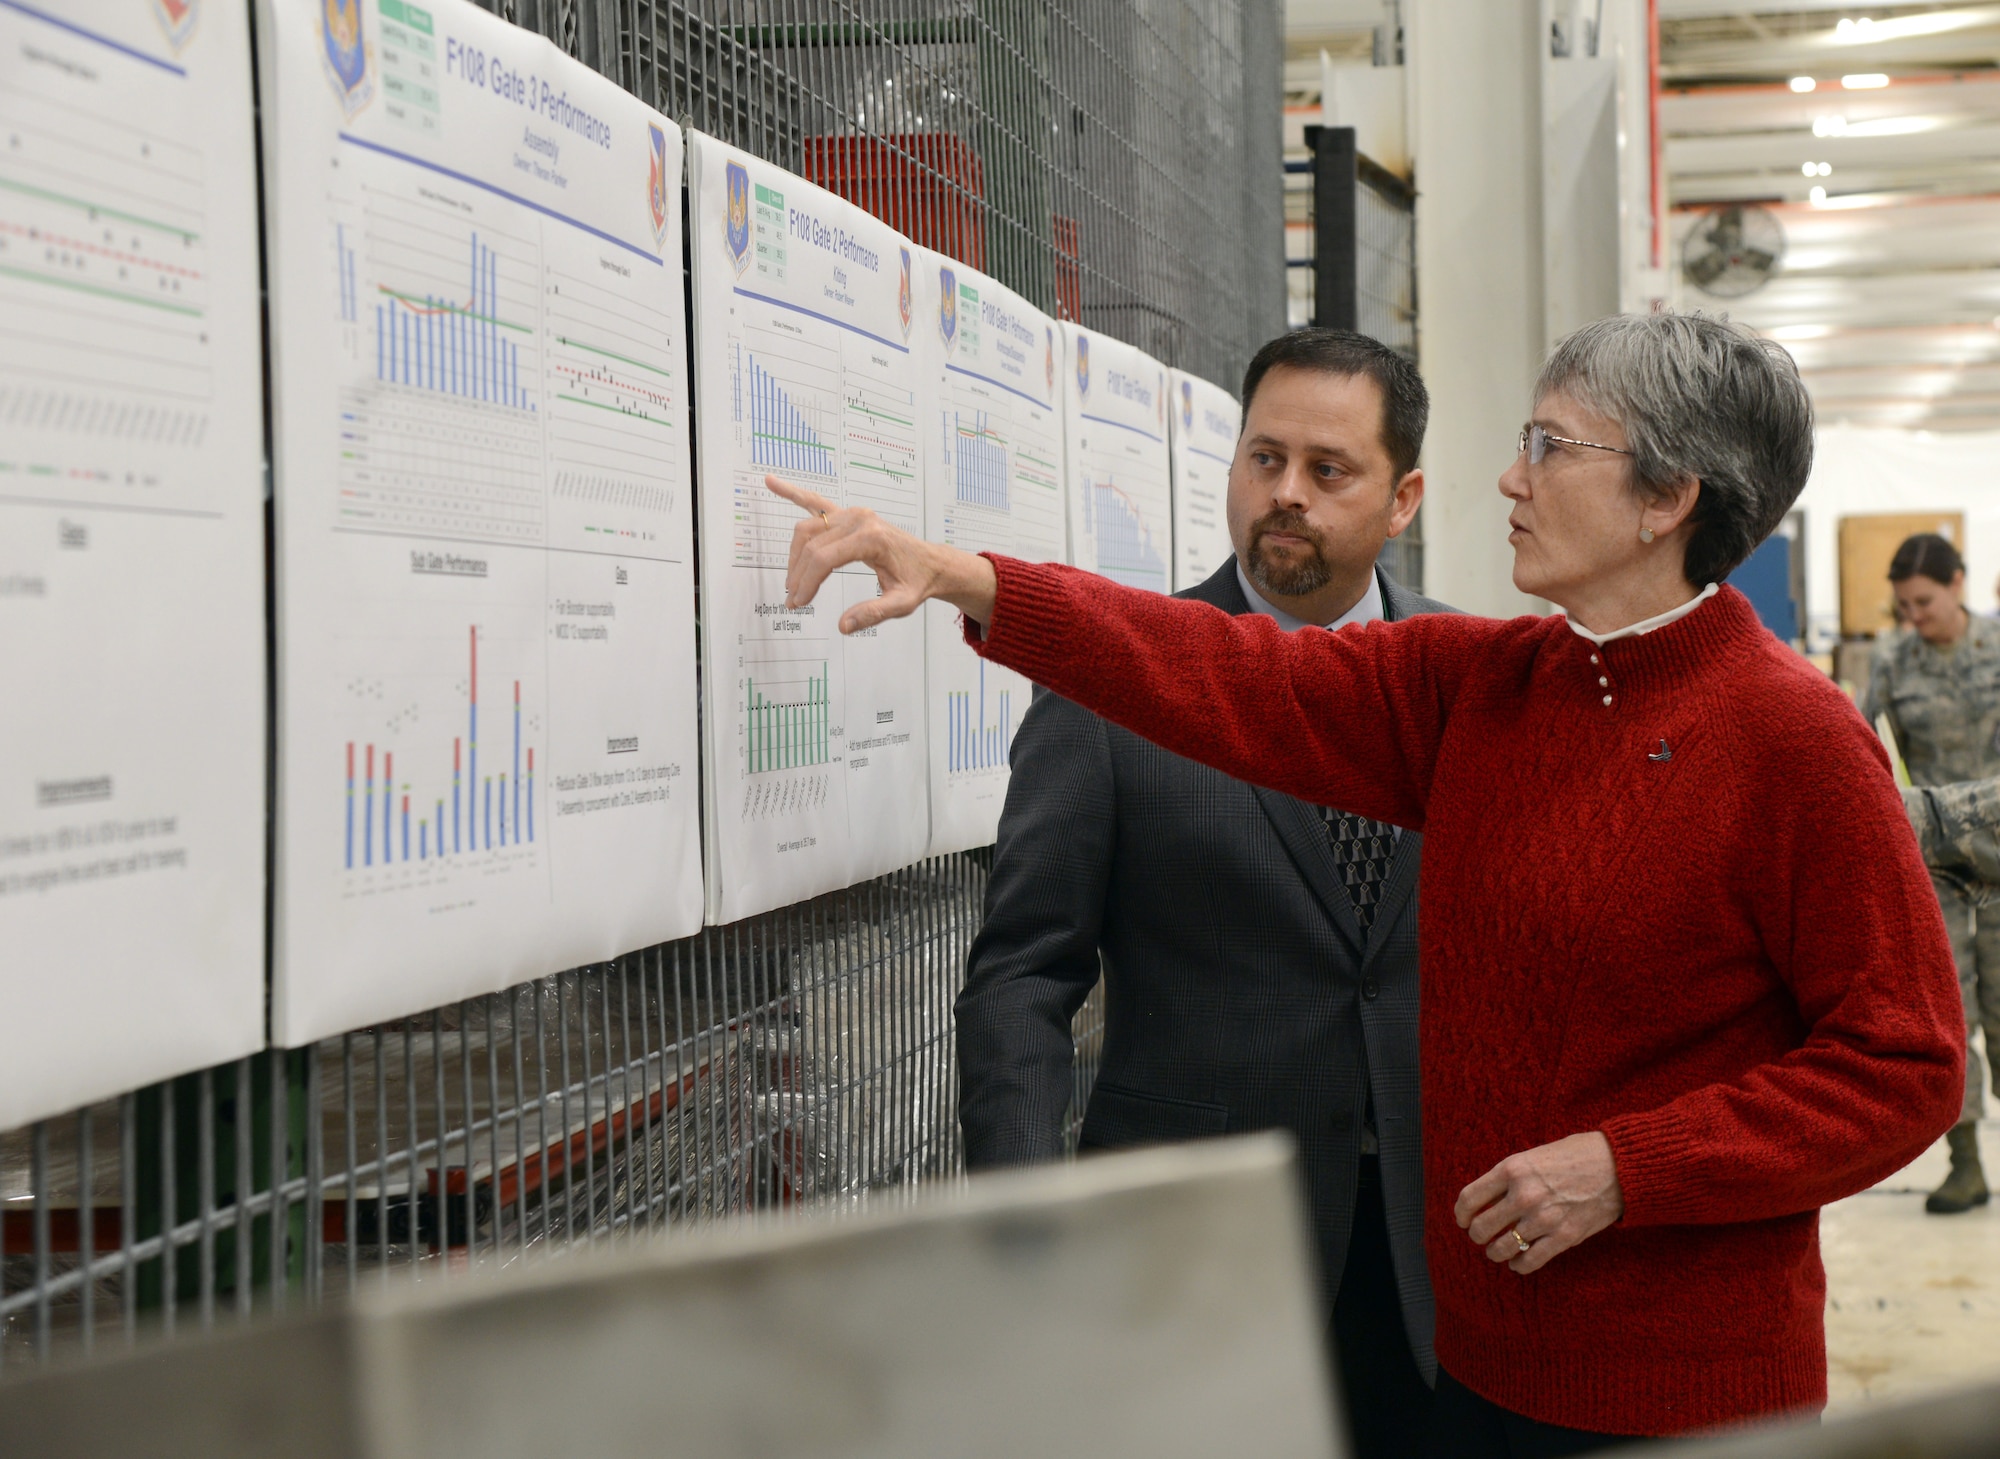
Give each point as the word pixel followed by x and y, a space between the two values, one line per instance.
pixel 1666 754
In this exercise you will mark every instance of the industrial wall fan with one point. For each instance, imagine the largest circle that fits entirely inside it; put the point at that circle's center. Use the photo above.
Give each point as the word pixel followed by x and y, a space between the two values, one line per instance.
pixel 1733 250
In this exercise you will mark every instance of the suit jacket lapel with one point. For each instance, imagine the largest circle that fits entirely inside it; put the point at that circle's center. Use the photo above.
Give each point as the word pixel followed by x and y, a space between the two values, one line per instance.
pixel 1298 824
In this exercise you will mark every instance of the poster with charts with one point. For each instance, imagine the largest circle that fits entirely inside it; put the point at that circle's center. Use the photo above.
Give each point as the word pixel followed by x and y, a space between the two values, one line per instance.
pixel 816 766
pixel 1120 482
pixel 131 550
pixel 488 753
pixel 993 482
pixel 1204 419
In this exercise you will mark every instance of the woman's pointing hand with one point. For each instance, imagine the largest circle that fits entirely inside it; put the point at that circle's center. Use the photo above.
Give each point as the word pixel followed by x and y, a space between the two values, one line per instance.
pixel 908 570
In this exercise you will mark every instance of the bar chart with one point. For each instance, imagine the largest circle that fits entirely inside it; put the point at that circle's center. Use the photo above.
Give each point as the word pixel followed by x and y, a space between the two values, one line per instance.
pixel 978 736
pixel 390 821
pixel 783 436
pixel 1126 549
pixel 979 475
pixel 463 348
pixel 785 719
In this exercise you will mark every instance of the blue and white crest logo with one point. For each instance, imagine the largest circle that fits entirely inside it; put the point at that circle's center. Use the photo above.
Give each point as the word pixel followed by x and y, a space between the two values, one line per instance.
pixel 656 183
pixel 905 300
pixel 1083 365
pixel 344 49
pixel 1187 405
pixel 177 19
pixel 948 308
pixel 736 222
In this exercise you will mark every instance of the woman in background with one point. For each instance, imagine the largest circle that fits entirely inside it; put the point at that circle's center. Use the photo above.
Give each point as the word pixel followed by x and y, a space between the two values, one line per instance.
pixel 1939 684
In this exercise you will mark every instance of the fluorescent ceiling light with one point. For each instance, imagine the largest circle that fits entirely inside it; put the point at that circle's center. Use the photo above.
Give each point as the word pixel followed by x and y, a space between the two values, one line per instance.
pixel 1892 126
pixel 1818 196
pixel 1803 84
pixel 1860 200
pixel 1800 331
pixel 1867 32
pixel 1865 81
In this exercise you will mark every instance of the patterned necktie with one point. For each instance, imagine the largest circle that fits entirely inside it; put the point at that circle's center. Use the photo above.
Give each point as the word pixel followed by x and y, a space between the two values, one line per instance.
pixel 1361 850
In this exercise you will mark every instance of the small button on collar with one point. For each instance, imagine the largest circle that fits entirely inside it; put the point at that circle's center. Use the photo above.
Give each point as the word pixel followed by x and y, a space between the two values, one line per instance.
pixel 1593 658
pixel 1607 701
pixel 1603 683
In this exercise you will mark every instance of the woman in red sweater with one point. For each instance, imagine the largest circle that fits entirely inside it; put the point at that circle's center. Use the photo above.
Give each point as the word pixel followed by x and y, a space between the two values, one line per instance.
pixel 1684 978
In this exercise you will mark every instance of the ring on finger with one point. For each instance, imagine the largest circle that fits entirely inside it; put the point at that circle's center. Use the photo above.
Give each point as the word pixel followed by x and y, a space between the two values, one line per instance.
pixel 1520 1240
pixel 825 519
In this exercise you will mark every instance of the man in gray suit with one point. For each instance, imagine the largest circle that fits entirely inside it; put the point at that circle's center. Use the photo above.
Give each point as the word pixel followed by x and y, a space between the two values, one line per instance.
pixel 1259 953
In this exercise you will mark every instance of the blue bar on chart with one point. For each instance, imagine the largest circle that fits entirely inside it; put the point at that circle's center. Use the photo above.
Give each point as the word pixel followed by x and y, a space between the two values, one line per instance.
pixel 780 436
pixel 454 348
pixel 350 300
pixel 980 475
pixel 1125 551
pixel 472 821
pixel 971 741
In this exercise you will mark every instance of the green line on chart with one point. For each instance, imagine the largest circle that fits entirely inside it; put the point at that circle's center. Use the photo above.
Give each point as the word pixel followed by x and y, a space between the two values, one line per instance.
pixel 82 288
pixel 29 190
pixel 579 400
pixel 611 355
pixel 860 409
pixel 445 306
pixel 886 471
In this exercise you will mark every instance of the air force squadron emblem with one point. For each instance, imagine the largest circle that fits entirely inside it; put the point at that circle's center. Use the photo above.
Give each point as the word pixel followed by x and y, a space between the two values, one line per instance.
pixel 1187 405
pixel 176 18
pixel 905 306
pixel 947 308
pixel 656 183
pixel 1083 365
pixel 736 222
pixel 344 49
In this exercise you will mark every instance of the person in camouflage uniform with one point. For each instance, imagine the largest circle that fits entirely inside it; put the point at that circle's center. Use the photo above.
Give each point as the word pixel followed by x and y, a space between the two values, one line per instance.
pixel 1958 830
pixel 1938 683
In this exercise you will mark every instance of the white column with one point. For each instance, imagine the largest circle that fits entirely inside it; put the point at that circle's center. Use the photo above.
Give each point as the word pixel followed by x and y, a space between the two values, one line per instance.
pixel 1474 70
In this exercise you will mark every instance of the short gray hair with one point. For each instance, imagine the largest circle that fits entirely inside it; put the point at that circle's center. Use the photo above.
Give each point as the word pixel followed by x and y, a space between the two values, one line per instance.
pixel 1700 397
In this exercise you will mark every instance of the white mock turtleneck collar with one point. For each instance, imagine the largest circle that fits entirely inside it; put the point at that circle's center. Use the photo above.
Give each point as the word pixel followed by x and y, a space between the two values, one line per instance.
pixel 1645 626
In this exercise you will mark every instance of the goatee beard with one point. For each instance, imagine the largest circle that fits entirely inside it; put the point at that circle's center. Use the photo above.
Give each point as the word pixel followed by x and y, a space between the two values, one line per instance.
pixel 1283 579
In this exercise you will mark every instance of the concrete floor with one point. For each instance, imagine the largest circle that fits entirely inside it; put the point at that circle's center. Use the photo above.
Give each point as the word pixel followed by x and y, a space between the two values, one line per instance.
pixel 1913 1300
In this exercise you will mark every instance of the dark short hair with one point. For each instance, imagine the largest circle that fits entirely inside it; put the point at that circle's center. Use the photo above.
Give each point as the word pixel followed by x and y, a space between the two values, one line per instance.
pixel 1406 404
pixel 1929 554
pixel 1698 397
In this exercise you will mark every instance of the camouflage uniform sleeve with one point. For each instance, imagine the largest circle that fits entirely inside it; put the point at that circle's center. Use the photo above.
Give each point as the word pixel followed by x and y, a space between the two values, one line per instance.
pixel 1958 827
pixel 1875 698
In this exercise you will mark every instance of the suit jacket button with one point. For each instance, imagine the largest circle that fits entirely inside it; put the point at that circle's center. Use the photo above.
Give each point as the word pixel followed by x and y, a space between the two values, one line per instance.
pixel 1370 988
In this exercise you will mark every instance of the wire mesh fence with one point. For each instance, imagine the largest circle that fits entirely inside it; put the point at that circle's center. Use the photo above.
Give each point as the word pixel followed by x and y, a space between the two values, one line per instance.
pixel 1113 161
pixel 802 1057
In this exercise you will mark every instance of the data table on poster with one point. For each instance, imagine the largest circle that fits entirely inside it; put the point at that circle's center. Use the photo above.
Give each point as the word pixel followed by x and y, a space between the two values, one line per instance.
pixel 1204 419
pixel 815 742
pixel 1120 480
pixel 993 482
pixel 488 753
pixel 131 550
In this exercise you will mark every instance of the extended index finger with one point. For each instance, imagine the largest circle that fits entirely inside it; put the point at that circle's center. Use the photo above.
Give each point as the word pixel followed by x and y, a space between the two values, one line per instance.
pixel 800 496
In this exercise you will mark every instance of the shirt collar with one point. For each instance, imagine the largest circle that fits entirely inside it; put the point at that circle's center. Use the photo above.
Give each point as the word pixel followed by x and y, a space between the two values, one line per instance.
pixel 1647 625
pixel 1367 610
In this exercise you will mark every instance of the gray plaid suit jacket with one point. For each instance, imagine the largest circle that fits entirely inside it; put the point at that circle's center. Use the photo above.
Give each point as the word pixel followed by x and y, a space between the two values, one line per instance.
pixel 1240 990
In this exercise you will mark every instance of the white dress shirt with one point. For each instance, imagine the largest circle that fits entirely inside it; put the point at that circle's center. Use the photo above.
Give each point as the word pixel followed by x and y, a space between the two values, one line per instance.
pixel 1365 611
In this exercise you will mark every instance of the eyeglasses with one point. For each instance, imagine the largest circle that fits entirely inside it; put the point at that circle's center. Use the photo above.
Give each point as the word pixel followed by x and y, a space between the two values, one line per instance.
pixel 1535 442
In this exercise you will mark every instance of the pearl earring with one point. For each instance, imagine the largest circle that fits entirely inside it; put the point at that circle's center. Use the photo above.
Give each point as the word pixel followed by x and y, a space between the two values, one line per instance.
pixel 1645 534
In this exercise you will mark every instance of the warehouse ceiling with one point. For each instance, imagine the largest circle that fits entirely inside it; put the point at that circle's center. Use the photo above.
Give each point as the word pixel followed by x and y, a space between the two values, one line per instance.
pixel 1861 145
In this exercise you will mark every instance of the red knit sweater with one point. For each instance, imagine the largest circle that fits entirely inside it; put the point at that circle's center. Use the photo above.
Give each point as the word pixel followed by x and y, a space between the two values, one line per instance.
pixel 1730 961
